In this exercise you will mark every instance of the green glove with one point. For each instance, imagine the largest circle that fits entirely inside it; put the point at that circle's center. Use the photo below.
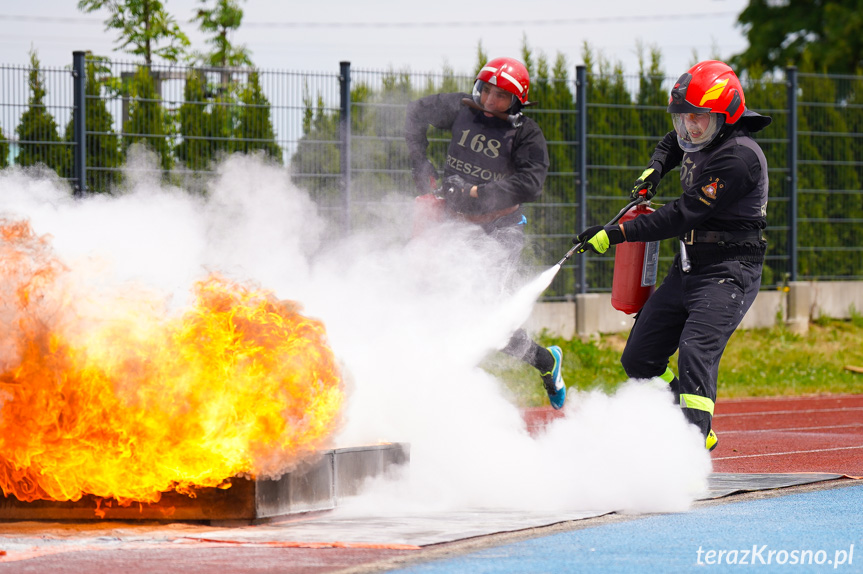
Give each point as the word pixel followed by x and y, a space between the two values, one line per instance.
pixel 598 238
pixel 645 185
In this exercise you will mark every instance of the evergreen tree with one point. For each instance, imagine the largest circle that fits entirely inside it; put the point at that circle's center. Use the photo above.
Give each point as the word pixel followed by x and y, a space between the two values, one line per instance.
pixel 853 198
pixel 554 113
pixel 220 102
pixel 651 104
pixel 148 123
pixel 38 137
pixel 315 166
pixel 652 101
pixel 765 93
pixel 254 127
pixel 223 119
pixel 4 150
pixel 630 150
pixel 562 153
pixel 103 144
pixel 208 119
pixel 386 124
pixel 603 83
pixel 527 56
pixel 481 58
pixel 825 207
pixel 195 151
pixel 563 100
pixel 854 119
pixel 449 83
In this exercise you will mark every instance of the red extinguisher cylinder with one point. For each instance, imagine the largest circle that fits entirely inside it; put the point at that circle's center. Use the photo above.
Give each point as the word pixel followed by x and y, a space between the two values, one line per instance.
pixel 635 267
pixel 429 212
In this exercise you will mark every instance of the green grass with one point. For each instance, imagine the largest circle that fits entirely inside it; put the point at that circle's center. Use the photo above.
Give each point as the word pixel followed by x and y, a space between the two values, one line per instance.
pixel 757 362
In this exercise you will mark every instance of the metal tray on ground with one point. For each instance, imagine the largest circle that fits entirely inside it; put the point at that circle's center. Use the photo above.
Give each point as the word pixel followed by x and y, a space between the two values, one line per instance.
pixel 336 474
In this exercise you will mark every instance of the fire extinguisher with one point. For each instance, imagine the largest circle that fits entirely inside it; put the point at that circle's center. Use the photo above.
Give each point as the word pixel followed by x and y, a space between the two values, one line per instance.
pixel 429 209
pixel 635 268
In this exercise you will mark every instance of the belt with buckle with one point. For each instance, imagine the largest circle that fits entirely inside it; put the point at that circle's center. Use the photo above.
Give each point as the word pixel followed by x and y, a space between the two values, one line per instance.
pixel 721 237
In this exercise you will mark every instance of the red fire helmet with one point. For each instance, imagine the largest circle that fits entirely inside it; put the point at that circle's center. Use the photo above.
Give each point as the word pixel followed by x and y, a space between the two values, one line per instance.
pixel 708 86
pixel 508 74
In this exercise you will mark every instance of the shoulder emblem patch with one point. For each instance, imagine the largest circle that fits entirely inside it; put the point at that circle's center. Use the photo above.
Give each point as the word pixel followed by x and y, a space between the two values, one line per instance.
pixel 711 189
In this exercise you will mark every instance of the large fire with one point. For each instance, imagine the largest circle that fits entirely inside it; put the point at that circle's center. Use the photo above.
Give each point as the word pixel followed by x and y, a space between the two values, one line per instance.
pixel 136 401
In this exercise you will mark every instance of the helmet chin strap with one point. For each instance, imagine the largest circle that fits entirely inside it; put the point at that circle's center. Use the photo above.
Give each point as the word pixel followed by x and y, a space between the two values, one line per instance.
pixel 515 119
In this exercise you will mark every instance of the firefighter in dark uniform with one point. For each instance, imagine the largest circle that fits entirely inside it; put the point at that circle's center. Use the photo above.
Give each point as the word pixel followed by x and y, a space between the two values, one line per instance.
pixel 718 218
pixel 497 160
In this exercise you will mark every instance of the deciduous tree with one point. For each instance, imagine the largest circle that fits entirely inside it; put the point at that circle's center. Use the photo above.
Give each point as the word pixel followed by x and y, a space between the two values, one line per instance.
pixel 219 19
pixel 783 32
pixel 144 27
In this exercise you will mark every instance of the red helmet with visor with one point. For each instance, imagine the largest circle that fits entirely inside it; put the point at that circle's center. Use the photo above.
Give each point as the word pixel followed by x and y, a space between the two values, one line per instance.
pixel 702 101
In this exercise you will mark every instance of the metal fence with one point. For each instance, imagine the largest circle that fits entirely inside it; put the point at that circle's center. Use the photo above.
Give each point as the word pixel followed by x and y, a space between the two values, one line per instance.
pixel 341 136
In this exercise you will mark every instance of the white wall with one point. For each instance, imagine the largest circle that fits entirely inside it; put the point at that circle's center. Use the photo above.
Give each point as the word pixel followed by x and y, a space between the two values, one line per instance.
pixel 797 305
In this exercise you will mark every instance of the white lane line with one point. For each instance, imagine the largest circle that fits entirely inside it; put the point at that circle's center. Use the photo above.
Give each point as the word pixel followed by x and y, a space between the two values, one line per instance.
pixel 790 452
pixel 852 425
pixel 810 398
pixel 763 413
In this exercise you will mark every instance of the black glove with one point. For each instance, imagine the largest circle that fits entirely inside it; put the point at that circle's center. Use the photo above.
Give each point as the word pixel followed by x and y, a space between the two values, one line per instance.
pixel 645 186
pixel 455 184
pixel 425 175
pixel 456 191
pixel 598 238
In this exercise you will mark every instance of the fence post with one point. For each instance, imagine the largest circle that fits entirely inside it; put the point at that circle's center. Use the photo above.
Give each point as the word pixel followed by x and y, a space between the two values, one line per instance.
pixel 791 79
pixel 345 136
pixel 581 166
pixel 79 130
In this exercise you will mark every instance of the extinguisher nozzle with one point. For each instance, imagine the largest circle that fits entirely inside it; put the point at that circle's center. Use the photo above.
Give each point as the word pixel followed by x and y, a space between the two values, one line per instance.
pixel 570 253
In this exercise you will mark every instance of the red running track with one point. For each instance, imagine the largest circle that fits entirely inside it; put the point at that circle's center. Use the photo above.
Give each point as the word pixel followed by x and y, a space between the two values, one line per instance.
pixel 778 435
pixel 790 434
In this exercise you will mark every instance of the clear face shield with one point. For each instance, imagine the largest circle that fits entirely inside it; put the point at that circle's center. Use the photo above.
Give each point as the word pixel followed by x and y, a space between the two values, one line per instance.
pixel 493 98
pixel 696 131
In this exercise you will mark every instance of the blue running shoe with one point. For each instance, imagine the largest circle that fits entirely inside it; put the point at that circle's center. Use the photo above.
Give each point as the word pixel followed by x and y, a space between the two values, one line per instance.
pixel 553 380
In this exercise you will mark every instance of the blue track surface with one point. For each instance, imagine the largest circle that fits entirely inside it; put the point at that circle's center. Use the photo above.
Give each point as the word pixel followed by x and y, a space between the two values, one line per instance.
pixel 792 533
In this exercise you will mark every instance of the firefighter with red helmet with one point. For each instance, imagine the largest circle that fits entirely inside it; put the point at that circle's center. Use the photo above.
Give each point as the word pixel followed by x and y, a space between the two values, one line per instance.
pixel 718 218
pixel 496 161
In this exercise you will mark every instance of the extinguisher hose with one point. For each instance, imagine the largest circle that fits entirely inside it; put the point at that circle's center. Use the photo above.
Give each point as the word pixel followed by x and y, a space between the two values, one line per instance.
pixel 578 246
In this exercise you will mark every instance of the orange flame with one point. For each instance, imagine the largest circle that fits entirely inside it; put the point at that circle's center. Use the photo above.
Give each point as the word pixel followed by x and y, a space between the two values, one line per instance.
pixel 143 402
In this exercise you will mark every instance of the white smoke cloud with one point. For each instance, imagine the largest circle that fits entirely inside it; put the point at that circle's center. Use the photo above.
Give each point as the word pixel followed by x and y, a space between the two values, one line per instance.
pixel 409 321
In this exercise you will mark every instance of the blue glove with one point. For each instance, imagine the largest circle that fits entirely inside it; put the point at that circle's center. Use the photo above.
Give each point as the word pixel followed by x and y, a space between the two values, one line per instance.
pixel 645 186
pixel 598 238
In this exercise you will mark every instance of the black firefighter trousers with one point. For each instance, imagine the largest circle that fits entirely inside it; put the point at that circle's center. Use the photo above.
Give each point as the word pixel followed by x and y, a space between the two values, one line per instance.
pixel 696 312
